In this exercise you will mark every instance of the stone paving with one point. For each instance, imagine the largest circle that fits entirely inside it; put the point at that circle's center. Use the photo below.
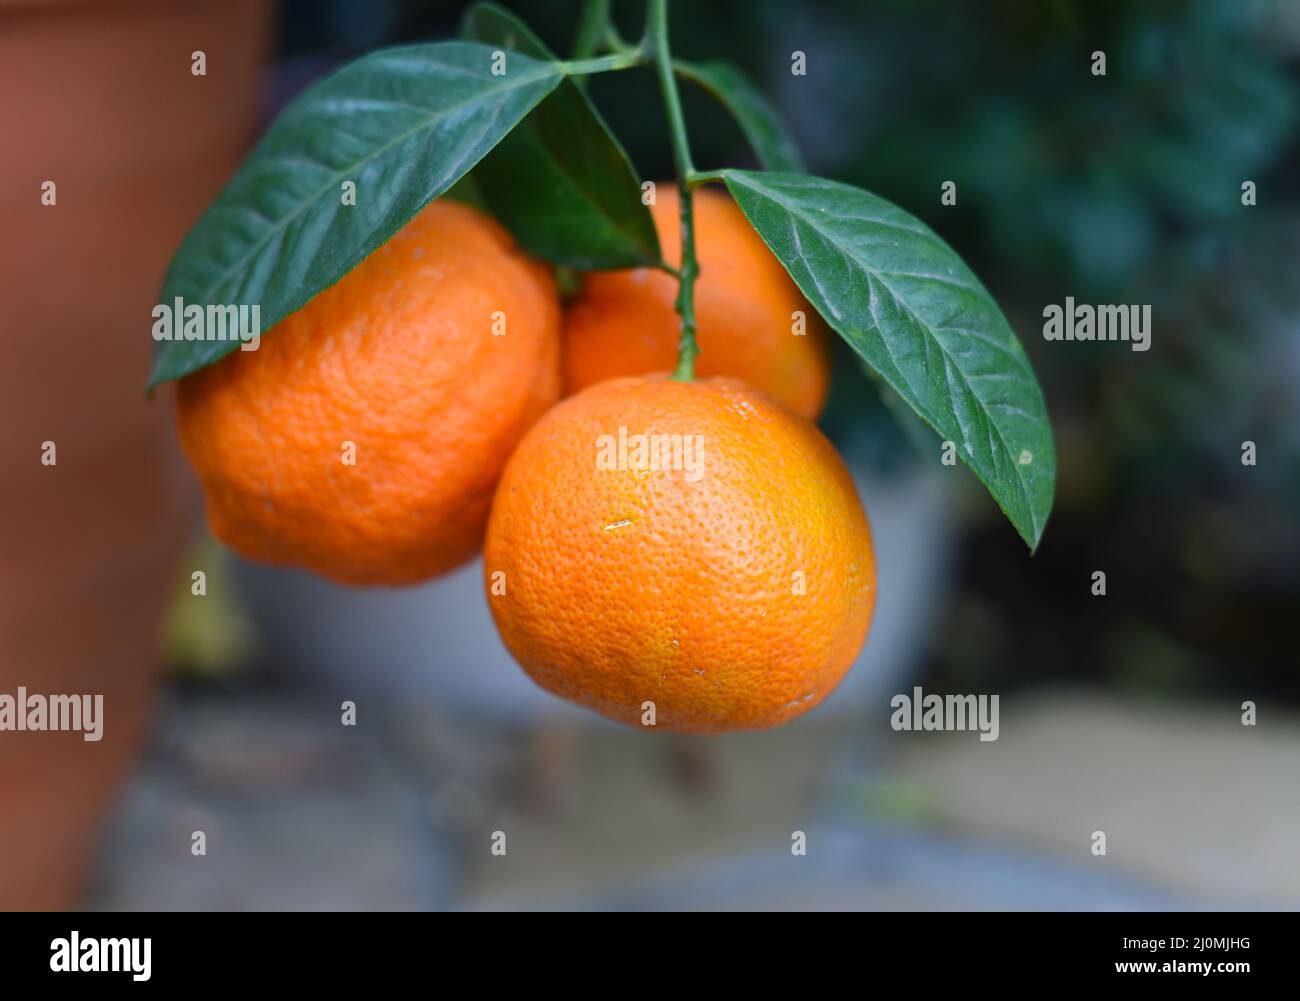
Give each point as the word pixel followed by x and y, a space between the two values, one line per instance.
pixel 402 810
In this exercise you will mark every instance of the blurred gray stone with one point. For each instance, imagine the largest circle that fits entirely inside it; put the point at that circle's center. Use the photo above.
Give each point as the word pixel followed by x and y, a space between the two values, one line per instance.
pixel 300 813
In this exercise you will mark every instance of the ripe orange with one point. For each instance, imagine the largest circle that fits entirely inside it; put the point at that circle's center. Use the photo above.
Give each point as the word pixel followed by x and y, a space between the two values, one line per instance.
pixel 401 361
pixel 623 322
pixel 728 578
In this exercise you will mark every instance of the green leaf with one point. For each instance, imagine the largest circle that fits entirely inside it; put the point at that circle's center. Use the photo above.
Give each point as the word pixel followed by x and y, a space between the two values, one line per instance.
pixel 757 119
pixel 904 300
pixel 561 183
pixel 404 124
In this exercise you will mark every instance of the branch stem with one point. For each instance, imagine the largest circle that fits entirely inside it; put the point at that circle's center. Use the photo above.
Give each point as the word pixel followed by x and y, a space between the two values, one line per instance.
pixel 688 271
pixel 602 64
pixel 591 28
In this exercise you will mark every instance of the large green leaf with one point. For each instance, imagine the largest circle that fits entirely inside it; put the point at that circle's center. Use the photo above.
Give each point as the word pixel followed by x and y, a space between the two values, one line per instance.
pixel 560 182
pixel 917 315
pixel 758 120
pixel 402 124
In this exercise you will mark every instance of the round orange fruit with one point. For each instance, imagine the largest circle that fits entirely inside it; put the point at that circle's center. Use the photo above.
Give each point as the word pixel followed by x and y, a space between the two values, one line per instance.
pixel 687 554
pixel 363 439
pixel 624 323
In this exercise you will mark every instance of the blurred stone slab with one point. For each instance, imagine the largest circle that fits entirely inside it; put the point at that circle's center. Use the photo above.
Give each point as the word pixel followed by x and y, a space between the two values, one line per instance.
pixel 643 803
pixel 300 813
pixel 400 812
pixel 1189 798
pixel 1198 811
pixel 851 868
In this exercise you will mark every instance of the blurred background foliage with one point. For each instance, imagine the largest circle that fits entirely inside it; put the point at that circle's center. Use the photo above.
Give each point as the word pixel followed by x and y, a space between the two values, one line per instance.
pixel 1117 189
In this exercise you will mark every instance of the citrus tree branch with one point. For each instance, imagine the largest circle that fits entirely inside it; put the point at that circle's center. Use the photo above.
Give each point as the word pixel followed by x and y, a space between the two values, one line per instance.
pixel 688 271
pixel 592 29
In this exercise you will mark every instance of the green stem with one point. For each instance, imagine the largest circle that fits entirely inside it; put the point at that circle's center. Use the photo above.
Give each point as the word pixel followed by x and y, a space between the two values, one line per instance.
pixel 689 270
pixel 601 64
pixel 614 41
pixel 591 30
pixel 702 177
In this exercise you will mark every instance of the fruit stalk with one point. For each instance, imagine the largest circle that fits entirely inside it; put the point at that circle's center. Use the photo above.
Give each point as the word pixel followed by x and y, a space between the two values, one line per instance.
pixel 689 270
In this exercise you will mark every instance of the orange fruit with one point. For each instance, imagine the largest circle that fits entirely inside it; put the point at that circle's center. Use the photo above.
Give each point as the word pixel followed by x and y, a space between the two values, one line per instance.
pixel 403 361
pixel 725 575
pixel 624 323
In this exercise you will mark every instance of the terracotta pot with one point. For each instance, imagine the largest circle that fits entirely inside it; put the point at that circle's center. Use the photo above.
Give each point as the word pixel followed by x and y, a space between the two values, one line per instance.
pixel 97 97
